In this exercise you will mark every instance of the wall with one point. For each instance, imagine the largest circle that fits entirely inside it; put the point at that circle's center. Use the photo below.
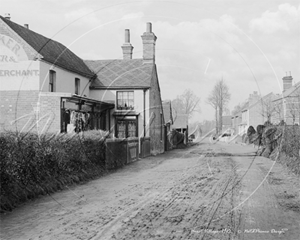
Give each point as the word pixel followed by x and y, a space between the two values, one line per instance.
pixel 156 117
pixel 65 80
pixel 17 110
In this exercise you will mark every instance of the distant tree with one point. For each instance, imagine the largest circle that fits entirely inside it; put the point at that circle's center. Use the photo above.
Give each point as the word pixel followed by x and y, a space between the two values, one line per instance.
pixel 219 99
pixel 268 108
pixel 293 106
pixel 186 103
pixel 238 108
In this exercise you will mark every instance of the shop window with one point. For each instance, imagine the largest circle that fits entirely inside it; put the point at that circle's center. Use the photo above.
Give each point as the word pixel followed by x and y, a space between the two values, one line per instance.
pixel 52 81
pixel 77 86
pixel 125 100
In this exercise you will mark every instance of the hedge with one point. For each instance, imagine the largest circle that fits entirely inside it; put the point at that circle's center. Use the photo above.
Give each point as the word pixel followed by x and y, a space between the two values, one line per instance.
pixel 282 143
pixel 33 165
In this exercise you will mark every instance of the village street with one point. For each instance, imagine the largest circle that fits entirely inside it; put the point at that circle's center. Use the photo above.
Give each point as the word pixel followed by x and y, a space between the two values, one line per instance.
pixel 208 191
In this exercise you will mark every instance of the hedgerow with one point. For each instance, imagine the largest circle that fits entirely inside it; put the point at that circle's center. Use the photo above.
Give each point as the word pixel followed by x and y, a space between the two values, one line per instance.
pixel 282 143
pixel 32 165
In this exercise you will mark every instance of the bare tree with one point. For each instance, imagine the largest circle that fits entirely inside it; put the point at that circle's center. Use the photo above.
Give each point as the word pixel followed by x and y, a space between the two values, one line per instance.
pixel 293 106
pixel 213 101
pixel 219 99
pixel 186 103
pixel 268 108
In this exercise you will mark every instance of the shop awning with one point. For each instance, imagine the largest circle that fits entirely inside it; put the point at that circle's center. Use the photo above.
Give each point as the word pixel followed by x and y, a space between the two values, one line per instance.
pixel 84 101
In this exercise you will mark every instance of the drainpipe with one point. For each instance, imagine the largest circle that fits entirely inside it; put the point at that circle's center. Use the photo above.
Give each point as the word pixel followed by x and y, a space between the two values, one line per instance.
pixel 144 112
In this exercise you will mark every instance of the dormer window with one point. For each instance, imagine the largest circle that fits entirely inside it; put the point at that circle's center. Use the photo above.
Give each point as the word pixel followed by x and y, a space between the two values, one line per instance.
pixel 125 100
pixel 52 81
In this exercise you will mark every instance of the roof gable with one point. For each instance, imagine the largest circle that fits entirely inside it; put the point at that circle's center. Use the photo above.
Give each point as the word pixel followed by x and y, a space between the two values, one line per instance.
pixel 50 50
pixel 121 73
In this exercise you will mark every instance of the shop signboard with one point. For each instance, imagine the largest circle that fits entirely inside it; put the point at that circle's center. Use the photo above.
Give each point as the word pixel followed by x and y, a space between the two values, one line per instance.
pixel 17 72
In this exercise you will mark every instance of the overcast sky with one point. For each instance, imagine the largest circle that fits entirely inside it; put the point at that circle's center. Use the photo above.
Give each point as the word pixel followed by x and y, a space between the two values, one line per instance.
pixel 251 44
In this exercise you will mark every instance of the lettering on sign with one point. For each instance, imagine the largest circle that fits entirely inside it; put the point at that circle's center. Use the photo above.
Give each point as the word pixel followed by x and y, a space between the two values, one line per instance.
pixel 17 73
pixel 11 51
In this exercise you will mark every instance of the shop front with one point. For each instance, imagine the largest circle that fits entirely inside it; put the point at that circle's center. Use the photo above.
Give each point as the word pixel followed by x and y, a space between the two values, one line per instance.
pixel 82 114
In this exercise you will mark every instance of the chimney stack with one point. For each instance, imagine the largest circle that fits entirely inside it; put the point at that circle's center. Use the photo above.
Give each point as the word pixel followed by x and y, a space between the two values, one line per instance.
pixel 127 47
pixel 287 82
pixel 149 40
pixel 26 25
pixel 7 16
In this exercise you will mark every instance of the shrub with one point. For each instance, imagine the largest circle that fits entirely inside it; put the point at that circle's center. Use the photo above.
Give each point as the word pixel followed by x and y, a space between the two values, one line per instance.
pixel 32 165
pixel 282 143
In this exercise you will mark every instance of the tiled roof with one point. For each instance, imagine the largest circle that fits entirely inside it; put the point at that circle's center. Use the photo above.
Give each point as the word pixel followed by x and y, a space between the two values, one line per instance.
pixel 181 121
pixel 167 111
pixel 52 51
pixel 121 73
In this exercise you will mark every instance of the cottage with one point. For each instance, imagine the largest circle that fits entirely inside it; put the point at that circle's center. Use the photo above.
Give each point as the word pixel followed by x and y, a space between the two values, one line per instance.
pixel 44 85
pixel 133 86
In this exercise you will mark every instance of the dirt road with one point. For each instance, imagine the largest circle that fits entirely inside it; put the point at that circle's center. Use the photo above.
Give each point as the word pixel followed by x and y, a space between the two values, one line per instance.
pixel 209 191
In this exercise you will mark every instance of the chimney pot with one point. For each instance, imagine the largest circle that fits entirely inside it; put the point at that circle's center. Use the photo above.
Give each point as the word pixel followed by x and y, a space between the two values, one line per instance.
pixel 149 27
pixel 26 25
pixel 7 16
pixel 287 82
pixel 127 47
pixel 127 36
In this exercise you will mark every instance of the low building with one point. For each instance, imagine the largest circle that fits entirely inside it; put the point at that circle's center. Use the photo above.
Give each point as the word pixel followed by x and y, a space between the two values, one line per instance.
pixel 181 125
pixel 44 85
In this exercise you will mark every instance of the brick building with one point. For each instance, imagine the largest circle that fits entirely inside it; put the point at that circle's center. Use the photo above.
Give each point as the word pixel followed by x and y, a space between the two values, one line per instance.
pixel 44 86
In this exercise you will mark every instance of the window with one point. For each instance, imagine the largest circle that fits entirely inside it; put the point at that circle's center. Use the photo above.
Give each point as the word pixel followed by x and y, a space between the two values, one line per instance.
pixel 125 100
pixel 77 86
pixel 52 81
pixel 126 128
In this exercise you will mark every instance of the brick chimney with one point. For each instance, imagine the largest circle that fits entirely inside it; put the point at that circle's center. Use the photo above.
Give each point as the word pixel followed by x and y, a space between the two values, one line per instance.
pixel 127 47
pixel 149 40
pixel 287 82
pixel 26 26
pixel 7 16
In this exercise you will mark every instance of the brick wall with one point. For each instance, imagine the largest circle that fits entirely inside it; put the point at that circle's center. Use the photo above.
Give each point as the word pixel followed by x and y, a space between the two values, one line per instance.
pixel 29 111
pixel 17 110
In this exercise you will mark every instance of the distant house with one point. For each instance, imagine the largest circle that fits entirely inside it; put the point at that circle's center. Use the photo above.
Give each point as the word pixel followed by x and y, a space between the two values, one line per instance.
pixel 255 111
pixel 287 104
pixel 45 86
pixel 132 85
